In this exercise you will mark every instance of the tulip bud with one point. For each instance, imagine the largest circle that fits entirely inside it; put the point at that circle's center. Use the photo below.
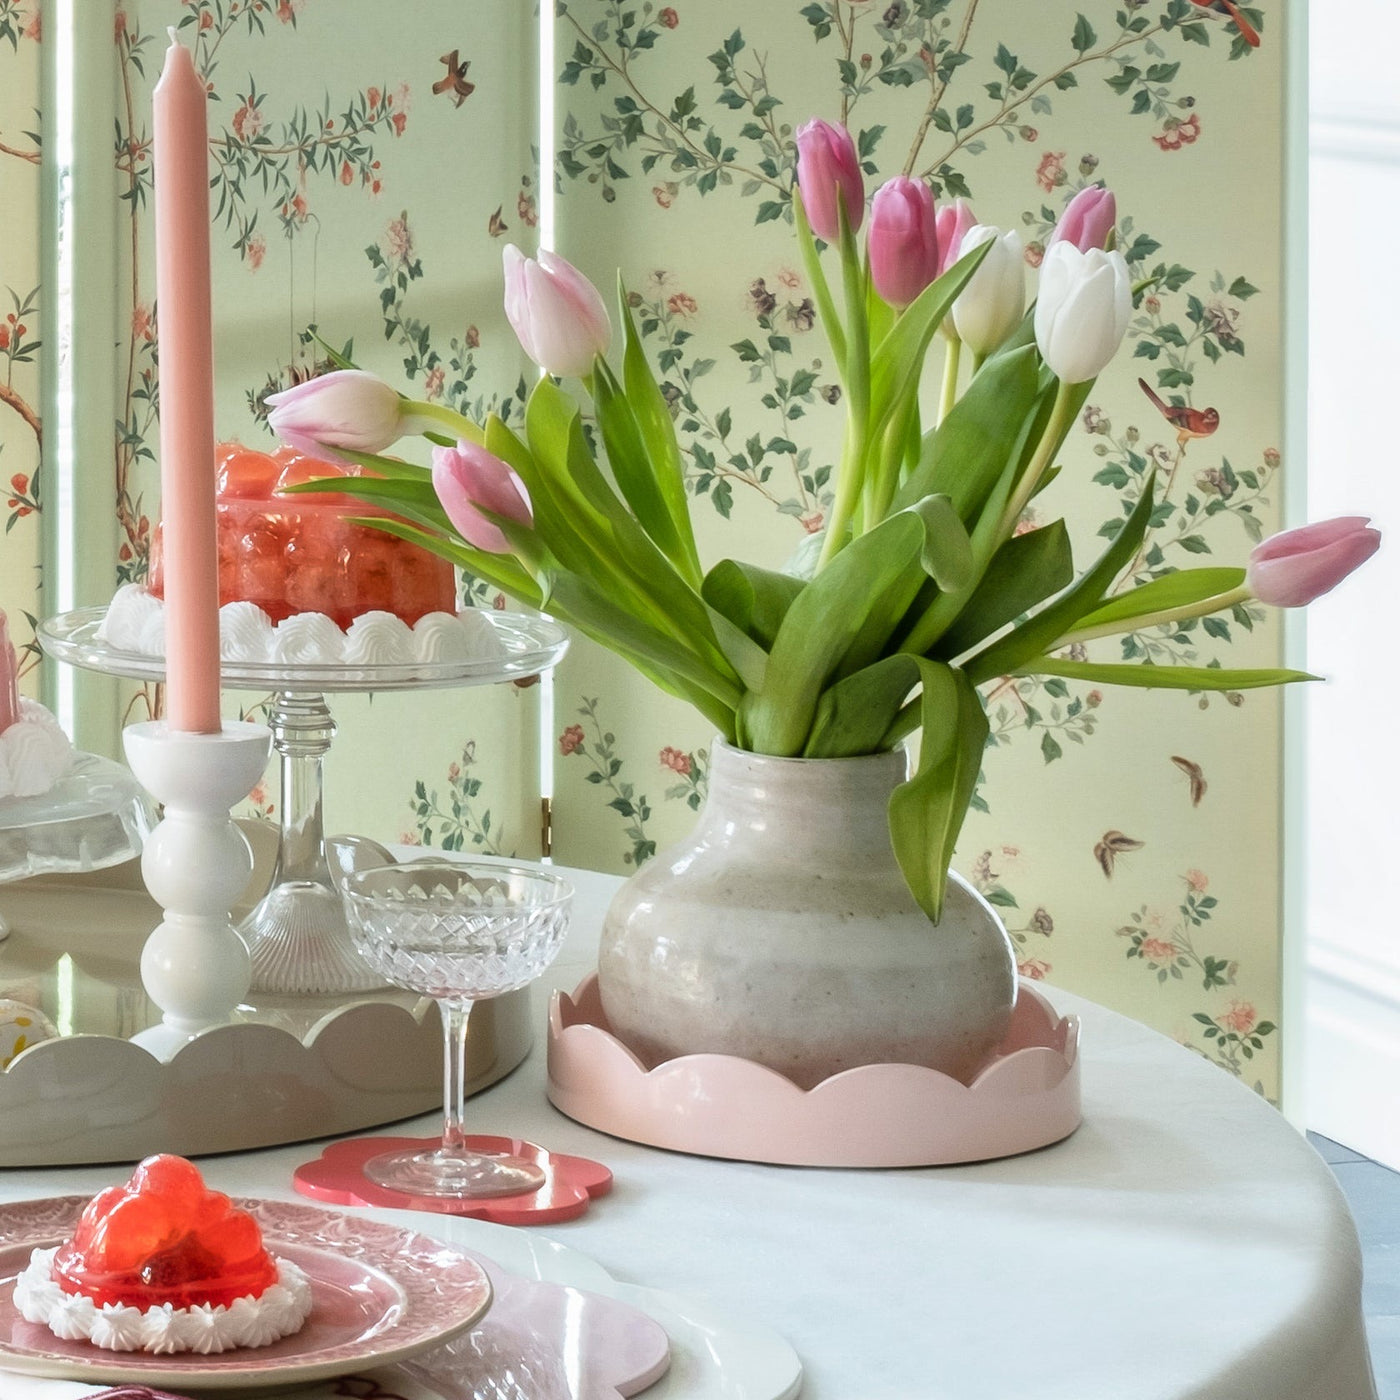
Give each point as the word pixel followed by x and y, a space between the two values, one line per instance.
pixel 1290 569
pixel 346 408
pixel 1089 218
pixel 953 221
pixel 556 312
pixel 1081 314
pixel 990 307
pixel 903 240
pixel 827 169
pixel 468 478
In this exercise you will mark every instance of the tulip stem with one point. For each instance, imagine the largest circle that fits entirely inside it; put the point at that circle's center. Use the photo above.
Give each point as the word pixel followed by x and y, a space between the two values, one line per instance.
pixel 850 483
pixel 1050 442
pixel 949 396
pixel 420 416
pixel 811 262
pixel 1219 603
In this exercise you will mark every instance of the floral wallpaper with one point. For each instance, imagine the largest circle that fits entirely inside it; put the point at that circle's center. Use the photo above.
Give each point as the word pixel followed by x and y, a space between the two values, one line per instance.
pixel 21 411
pixel 1129 839
pixel 366 174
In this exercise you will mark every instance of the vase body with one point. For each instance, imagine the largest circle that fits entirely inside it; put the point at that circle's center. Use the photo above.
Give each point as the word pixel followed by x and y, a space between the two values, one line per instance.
pixel 782 932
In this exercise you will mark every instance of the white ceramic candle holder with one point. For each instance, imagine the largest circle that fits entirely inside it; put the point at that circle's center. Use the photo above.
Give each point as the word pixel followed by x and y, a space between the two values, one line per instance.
pixel 195 864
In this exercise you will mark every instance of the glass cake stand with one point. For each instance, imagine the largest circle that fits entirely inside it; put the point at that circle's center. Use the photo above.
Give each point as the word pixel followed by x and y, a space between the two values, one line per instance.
pixel 297 936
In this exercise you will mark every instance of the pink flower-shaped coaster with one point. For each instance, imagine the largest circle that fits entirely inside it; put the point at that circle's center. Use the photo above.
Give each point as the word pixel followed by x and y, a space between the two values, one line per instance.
pixel 570 1183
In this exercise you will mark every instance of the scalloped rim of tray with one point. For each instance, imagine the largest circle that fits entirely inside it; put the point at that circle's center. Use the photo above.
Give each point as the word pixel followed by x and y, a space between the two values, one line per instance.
pixel 893 1115
pixel 532 645
pixel 352 1063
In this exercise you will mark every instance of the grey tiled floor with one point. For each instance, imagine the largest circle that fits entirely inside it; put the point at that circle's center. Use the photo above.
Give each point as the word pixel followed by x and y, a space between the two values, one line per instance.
pixel 1374 1194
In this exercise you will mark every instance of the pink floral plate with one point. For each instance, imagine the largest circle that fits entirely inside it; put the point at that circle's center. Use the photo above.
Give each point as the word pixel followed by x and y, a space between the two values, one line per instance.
pixel 379 1294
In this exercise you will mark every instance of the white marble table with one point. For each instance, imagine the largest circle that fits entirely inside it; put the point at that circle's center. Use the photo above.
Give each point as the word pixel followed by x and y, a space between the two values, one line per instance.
pixel 1184 1244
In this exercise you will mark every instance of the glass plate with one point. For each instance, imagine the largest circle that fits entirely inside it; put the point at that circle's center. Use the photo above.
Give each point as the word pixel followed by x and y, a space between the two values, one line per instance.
pixel 530 645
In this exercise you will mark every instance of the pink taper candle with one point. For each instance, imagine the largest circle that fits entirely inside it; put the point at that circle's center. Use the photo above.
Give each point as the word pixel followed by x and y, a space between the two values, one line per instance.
pixel 9 677
pixel 181 160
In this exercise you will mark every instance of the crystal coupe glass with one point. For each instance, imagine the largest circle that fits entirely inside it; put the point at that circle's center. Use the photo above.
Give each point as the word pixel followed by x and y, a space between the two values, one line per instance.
pixel 459 932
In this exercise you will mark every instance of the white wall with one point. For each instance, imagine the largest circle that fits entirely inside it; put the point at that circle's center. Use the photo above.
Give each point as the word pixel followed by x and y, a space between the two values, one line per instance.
pixel 1351 832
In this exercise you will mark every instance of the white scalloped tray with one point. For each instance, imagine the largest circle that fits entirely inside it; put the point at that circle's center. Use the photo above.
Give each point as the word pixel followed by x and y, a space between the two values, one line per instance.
pixel 291 1069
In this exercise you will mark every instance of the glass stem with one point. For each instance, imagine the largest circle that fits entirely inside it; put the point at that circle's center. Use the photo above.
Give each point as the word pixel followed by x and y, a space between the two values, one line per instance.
pixel 454 1073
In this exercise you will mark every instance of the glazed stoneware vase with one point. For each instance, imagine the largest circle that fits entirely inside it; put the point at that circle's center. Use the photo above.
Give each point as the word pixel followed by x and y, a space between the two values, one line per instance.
pixel 782 932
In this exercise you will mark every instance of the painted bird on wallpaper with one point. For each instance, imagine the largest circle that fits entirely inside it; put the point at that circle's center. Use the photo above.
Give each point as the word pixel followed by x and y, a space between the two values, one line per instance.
pixel 456 80
pixel 1227 7
pixel 1189 422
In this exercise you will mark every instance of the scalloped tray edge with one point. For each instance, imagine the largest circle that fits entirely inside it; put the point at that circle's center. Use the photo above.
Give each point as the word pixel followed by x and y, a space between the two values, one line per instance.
pixel 895 1115
pixel 94 1098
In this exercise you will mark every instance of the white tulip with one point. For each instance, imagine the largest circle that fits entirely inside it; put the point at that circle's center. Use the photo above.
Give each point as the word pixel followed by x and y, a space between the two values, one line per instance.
pixel 1081 314
pixel 990 307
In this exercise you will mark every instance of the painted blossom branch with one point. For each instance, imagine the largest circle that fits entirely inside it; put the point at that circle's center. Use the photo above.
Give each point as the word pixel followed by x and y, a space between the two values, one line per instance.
pixel 32 156
pixel 1021 98
pixel 939 88
pixel 14 400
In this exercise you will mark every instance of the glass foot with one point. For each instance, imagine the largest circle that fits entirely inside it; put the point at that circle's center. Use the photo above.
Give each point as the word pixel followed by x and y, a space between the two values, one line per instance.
pixel 461 1175
pixel 299 943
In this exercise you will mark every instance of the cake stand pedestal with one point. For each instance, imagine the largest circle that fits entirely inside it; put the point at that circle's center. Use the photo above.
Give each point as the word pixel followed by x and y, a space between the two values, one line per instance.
pixel 296 935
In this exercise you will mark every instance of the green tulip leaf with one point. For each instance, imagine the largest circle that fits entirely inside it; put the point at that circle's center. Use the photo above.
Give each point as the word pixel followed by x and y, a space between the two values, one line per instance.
pixel 947 551
pixel 841 619
pixel 896 363
pixel 1149 677
pixel 1182 589
pixel 854 715
pixel 1024 572
pixel 499 570
pixel 755 600
pixel 658 432
pixel 632 467
pixel 981 437
pixel 927 812
pixel 1039 633
pixel 391 467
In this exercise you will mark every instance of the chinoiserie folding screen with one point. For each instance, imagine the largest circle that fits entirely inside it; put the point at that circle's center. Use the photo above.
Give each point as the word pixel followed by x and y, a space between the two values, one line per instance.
pixel 372 159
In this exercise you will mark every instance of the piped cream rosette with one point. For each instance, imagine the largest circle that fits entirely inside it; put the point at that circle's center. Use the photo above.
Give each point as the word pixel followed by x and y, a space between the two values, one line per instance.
pixel 164 1330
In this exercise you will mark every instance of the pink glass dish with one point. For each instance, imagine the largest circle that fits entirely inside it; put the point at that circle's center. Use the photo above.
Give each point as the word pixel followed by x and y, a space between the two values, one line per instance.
pixel 872 1116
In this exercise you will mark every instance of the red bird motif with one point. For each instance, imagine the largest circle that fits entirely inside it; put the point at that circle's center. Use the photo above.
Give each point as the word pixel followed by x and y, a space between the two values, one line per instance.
pixel 1227 7
pixel 1189 422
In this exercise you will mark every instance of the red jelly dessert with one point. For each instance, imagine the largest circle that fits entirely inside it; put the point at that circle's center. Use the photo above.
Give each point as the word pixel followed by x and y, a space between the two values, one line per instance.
pixel 294 554
pixel 164 1238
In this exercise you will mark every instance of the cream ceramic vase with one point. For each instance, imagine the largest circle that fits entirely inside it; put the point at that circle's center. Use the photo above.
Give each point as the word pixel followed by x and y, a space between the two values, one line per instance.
pixel 782 932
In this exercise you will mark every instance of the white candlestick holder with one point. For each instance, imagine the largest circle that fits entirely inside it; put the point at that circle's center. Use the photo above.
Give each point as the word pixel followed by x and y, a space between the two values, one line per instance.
pixel 196 863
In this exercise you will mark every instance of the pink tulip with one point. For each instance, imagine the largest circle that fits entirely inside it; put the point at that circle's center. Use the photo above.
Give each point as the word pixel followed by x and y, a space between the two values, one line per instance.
pixel 346 408
pixel 468 479
pixel 827 169
pixel 903 240
pixel 953 221
pixel 1088 219
pixel 556 312
pixel 1290 569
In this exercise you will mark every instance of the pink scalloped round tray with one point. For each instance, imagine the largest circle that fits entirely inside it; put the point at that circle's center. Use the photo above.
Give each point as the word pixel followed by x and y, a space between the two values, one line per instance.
pixel 872 1116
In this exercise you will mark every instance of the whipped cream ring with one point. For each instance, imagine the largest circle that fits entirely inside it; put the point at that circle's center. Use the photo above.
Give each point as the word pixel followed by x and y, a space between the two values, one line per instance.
pixel 164 1330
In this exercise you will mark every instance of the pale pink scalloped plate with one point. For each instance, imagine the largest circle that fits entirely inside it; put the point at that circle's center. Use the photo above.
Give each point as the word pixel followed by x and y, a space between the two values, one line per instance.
pixel 379 1295
pixel 872 1116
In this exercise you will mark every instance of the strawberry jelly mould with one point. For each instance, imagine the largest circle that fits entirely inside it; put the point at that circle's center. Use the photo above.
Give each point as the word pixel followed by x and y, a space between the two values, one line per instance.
pixel 291 1069
pixel 870 1116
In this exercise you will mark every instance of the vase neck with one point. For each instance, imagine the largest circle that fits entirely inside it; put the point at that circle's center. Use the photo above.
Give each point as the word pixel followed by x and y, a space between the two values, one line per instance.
pixel 806 804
